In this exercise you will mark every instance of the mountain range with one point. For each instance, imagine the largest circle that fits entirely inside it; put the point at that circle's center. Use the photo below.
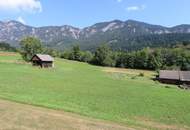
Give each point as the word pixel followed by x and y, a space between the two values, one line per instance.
pixel 120 35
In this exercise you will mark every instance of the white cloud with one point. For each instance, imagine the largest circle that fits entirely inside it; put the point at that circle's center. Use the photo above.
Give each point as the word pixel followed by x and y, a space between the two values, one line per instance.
pixel 132 8
pixel 136 8
pixel 21 5
pixel 119 1
pixel 20 19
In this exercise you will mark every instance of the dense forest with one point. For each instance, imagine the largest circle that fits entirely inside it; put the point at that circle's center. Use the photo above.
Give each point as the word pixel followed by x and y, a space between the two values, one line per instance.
pixel 176 57
pixel 152 41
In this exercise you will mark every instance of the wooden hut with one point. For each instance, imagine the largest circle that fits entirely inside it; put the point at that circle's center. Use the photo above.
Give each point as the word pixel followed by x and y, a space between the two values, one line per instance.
pixel 44 61
pixel 169 77
pixel 174 77
pixel 185 77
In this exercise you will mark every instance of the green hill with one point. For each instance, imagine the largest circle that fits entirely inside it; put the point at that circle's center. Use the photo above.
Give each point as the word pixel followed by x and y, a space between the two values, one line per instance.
pixel 118 95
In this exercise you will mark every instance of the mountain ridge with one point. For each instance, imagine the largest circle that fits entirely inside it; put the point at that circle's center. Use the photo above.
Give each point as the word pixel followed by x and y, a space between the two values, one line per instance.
pixel 116 33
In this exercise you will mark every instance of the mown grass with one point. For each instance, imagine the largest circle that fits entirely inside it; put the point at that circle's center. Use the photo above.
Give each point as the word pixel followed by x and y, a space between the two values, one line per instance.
pixel 91 91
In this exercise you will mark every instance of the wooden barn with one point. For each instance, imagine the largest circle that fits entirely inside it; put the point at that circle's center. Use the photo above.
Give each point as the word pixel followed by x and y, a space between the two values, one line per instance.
pixel 185 77
pixel 44 61
pixel 174 77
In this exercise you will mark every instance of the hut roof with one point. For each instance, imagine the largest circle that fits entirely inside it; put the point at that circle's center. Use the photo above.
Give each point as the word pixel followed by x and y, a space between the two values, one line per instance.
pixel 167 74
pixel 43 57
pixel 185 75
pixel 175 75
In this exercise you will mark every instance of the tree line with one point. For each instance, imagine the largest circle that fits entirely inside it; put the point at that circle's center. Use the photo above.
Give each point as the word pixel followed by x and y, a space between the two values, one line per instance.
pixel 177 57
pixel 6 47
pixel 151 59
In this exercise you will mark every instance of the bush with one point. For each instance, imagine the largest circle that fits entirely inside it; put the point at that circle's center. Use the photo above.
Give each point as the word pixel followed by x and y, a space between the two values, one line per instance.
pixel 65 54
pixel 86 56
pixel 141 74
pixel 51 52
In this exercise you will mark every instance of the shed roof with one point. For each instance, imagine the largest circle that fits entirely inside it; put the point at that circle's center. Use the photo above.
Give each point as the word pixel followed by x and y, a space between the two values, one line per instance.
pixel 43 57
pixel 175 75
pixel 168 74
pixel 185 75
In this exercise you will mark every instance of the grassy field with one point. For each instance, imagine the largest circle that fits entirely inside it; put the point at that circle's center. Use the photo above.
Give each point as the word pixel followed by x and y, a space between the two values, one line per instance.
pixel 117 95
pixel 17 116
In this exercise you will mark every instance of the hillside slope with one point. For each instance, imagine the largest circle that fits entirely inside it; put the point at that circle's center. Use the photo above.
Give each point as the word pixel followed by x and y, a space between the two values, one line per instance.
pixel 117 95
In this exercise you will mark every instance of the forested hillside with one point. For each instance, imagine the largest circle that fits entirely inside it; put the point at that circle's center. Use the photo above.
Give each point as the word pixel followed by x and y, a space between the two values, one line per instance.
pixel 119 35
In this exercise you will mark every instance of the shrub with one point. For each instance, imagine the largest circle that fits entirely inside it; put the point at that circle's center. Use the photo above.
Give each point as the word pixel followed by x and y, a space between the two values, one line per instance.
pixel 141 74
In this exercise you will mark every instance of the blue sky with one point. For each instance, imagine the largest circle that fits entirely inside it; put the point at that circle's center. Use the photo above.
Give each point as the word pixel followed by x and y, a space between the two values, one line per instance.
pixel 82 13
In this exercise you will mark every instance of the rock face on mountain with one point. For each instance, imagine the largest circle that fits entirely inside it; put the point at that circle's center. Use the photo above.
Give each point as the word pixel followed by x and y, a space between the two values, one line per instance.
pixel 118 34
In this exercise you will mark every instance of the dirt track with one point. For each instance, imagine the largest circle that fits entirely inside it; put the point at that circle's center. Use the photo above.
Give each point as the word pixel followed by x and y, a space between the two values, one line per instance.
pixel 15 116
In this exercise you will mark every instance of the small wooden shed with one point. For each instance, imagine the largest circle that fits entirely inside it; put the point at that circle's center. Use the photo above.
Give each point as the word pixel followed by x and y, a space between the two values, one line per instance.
pixel 44 61
pixel 174 77
pixel 169 77
pixel 185 77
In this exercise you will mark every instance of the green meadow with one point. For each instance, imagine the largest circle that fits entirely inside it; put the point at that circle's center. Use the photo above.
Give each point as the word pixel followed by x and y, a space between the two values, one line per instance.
pixel 116 95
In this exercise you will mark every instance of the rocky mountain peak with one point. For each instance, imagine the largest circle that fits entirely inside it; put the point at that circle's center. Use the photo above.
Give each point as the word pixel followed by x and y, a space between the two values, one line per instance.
pixel 104 32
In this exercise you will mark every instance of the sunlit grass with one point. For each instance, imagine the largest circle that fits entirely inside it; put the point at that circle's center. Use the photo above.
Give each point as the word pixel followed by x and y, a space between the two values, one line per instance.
pixel 105 93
